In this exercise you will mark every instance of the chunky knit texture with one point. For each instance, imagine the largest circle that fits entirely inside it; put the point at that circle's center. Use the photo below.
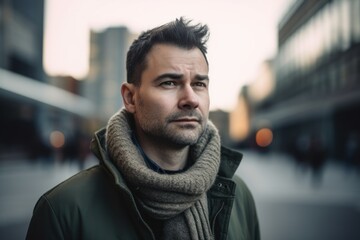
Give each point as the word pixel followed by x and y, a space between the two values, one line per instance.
pixel 178 199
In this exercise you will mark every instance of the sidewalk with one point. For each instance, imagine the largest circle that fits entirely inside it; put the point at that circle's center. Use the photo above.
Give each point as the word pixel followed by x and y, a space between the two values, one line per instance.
pixel 292 206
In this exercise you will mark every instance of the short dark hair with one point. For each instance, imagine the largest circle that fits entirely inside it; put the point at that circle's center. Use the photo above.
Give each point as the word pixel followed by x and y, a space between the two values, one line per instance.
pixel 179 33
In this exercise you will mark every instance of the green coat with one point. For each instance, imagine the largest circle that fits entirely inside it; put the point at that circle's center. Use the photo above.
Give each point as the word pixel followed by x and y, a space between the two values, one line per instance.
pixel 97 204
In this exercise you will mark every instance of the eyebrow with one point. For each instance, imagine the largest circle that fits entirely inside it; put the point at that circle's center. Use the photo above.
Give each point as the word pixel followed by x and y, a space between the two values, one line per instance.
pixel 177 76
pixel 168 75
pixel 202 77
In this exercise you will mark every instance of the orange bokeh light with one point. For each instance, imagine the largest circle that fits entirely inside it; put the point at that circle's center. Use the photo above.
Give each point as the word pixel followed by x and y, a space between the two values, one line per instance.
pixel 57 139
pixel 264 137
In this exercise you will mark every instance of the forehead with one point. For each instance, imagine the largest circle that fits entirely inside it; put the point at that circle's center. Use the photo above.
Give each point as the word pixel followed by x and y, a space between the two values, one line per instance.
pixel 171 56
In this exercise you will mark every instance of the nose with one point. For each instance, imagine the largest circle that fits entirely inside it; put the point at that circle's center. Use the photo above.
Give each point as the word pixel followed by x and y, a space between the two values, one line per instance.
pixel 188 98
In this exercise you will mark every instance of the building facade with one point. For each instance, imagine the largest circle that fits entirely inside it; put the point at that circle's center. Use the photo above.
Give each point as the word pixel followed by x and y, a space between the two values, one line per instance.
pixel 21 37
pixel 317 72
pixel 107 71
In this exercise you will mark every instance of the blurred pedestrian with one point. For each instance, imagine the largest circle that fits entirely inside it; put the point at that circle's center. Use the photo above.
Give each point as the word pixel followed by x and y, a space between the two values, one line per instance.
pixel 299 150
pixel 162 173
pixel 316 158
pixel 352 152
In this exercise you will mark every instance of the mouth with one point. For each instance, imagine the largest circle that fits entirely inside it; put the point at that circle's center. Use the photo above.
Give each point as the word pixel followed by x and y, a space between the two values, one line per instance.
pixel 190 118
pixel 186 120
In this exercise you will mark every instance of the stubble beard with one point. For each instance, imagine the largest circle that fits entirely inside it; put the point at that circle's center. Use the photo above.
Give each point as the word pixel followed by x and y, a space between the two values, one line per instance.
pixel 170 133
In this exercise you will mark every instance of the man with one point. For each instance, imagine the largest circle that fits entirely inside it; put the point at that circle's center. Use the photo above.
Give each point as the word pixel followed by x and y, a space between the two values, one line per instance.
pixel 163 173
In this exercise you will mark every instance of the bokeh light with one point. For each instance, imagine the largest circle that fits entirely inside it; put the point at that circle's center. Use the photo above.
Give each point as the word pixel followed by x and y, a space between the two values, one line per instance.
pixel 57 139
pixel 264 137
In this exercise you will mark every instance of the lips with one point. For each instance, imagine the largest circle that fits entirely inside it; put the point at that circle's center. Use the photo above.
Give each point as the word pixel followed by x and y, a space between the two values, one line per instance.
pixel 186 120
pixel 185 117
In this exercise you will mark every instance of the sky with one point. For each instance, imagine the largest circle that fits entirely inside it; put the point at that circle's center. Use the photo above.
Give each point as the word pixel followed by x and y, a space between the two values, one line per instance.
pixel 243 34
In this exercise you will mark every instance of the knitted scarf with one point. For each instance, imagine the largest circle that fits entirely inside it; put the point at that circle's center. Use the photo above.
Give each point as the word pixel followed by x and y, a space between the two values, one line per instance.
pixel 177 199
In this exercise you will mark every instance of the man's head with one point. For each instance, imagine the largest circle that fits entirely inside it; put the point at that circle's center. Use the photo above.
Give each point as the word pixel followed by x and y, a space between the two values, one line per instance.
pixel 179 33
pixel 167 93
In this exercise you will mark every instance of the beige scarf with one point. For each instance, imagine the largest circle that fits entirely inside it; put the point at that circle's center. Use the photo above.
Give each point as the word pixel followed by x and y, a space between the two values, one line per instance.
pixel 178 199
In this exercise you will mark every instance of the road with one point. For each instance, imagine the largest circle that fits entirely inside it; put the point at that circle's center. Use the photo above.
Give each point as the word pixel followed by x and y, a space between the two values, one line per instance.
pixel 290 204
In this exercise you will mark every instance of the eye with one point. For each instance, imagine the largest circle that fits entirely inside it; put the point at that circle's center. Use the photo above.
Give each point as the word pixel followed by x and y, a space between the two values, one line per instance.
pixel 200 84
pixel 168 84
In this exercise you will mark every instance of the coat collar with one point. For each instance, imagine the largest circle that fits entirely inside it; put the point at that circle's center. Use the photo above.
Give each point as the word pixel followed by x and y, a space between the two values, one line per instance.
pixel 230 160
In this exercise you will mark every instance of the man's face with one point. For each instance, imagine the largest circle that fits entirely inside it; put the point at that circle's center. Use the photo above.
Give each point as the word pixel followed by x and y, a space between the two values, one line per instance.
pixel 171 105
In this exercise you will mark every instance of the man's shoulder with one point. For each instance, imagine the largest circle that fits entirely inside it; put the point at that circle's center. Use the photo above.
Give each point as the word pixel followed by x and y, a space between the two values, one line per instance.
pixel 242 189
pixel 78 187
pixel 243 213
pixel 90 198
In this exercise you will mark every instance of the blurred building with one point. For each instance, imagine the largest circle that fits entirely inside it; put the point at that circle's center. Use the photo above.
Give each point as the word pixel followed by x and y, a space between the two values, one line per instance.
pixel 239 119
pixel 107 72
pixel 247 119
pixel 21 48
pixel 40 116
pixel 67 83
pixel 317 70
pixel 221 121
pixel 21 37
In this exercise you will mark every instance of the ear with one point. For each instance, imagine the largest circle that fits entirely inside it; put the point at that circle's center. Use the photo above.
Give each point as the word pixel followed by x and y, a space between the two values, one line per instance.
pixel 128 94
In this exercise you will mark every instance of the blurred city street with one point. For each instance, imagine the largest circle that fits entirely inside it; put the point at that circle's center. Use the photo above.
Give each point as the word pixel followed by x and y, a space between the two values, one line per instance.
pixel 291 204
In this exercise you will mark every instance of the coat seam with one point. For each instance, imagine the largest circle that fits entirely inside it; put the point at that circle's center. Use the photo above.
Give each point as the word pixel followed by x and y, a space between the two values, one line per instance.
pixel 54 213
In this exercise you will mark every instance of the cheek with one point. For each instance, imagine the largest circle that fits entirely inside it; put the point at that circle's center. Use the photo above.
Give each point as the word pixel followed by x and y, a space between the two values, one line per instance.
pixel 152 105
pixel 205 102
pixel 161 100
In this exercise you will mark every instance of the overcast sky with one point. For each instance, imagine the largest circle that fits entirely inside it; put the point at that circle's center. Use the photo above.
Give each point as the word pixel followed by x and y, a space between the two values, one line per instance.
pixel 243 33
